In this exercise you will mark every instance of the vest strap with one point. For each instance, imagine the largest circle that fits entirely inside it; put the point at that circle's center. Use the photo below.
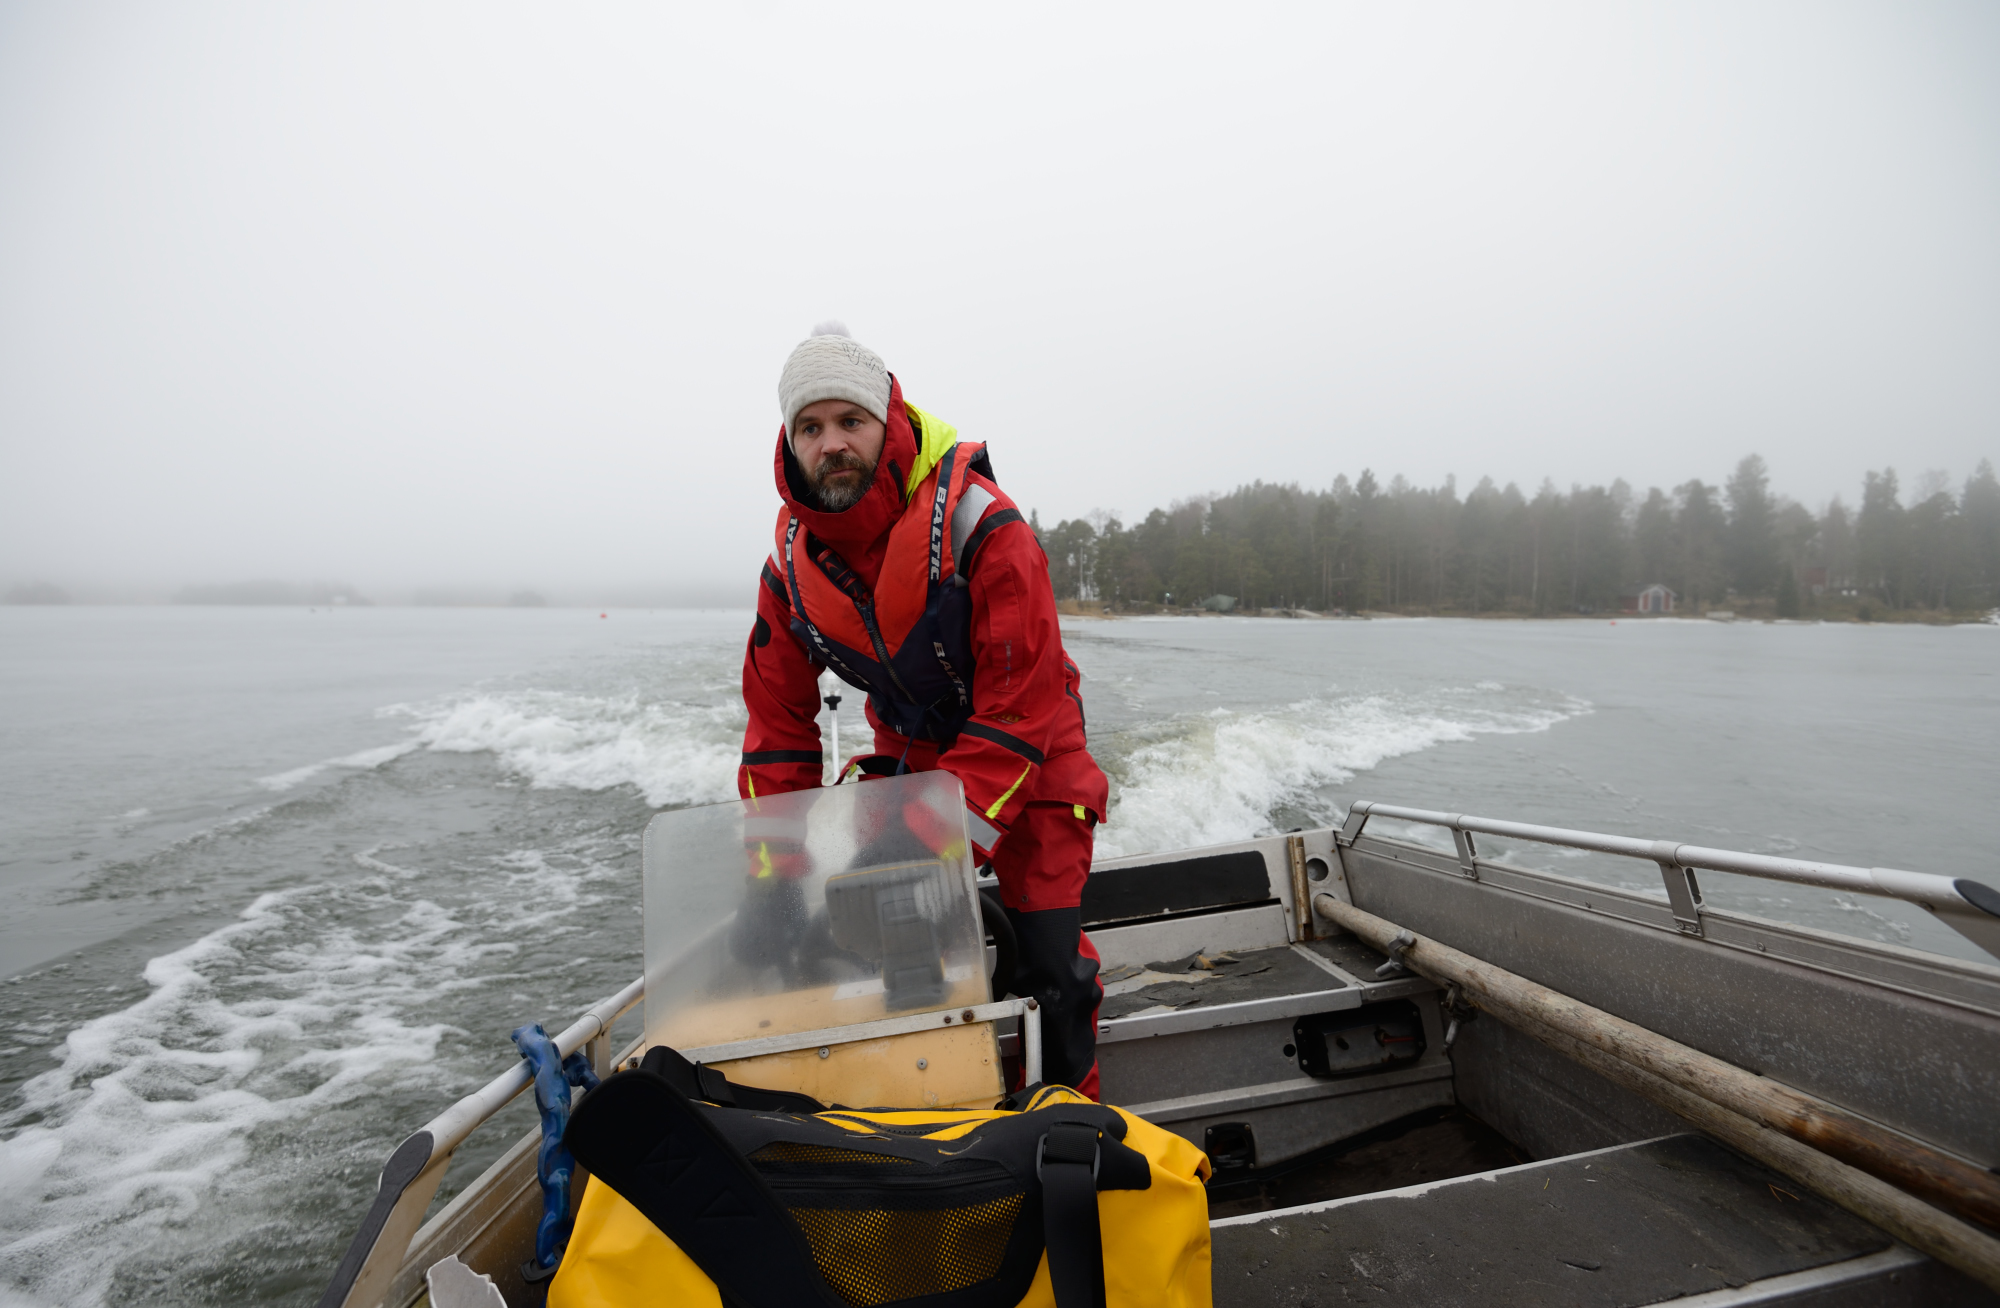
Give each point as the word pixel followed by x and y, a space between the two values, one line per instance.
pixel 939 499
pixel 938 503
pixel 827 656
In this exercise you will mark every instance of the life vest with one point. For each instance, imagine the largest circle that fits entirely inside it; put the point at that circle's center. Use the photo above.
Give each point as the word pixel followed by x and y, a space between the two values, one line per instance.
pixel 908 643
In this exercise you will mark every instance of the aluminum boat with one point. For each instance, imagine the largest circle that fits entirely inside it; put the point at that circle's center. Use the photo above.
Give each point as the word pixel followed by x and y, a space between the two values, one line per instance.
pixel 1378 1133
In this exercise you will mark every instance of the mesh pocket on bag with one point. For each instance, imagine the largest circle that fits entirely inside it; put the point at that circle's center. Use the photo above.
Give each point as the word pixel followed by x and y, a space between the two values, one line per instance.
pixel 874 1256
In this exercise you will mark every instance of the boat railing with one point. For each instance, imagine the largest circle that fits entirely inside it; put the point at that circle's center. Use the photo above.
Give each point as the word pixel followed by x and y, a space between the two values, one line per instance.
pixel 1970 908
pixel 411 1176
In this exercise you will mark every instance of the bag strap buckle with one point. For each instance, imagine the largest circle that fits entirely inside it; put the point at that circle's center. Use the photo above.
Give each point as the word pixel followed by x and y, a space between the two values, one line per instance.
pixel 1070 1142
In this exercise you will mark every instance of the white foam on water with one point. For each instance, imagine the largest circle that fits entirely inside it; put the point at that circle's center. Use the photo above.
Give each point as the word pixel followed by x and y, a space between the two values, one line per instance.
pixel 1223 775
pixel 283 781
pixel 362 761
pixel 375 758
pixel 674 752
pixel 312 998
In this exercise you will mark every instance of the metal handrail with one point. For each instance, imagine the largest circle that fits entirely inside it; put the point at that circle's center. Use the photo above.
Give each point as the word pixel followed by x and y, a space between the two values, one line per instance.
pixel 450 1128
pixel 1969 907
pixel 413 1171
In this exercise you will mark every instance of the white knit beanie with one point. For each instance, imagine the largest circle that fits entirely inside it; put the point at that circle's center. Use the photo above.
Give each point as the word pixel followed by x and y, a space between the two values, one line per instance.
pixel 831 365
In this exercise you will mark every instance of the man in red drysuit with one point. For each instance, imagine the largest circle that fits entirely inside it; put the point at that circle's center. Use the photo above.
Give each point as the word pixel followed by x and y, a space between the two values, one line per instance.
pixel 899 563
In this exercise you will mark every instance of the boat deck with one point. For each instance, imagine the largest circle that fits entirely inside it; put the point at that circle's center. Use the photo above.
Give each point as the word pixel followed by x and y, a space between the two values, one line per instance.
pixel 1677 1219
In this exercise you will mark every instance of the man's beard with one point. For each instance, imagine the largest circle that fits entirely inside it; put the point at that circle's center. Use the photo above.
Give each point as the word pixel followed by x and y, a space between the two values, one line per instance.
pixel 845 494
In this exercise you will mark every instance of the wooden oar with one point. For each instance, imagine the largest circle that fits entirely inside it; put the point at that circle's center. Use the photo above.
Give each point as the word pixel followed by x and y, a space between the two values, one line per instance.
pixel 1823 1147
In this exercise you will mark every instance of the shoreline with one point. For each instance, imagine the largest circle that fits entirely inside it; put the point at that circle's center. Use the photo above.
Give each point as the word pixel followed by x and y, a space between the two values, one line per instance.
pixel 1906 618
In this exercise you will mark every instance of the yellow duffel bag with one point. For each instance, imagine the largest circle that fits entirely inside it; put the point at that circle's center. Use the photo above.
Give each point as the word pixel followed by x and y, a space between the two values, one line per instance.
pixel 704 1192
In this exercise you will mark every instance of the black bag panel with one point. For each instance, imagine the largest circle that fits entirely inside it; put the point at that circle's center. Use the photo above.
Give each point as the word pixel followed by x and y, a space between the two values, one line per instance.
pixel 1010 1140
pixel 782 1207
pixel 898 1221
pixel 646 1140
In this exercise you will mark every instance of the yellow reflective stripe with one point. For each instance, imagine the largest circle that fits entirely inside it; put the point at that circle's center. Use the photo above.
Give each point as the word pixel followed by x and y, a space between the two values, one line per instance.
pixel 764 868
pixel 750 780
pixel 1081 816
pixel 939 436
pixel 1001 802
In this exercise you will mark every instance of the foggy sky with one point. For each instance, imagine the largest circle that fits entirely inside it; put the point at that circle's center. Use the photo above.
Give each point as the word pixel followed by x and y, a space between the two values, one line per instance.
pixel 408 295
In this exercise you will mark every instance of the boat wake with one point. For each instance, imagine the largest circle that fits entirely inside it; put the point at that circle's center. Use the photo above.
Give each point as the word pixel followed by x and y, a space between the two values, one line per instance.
pixel 362 761
pixel 675 753
pixel 282 1016
pixel 231 1120
pixel 1229 775
pixel 1195 780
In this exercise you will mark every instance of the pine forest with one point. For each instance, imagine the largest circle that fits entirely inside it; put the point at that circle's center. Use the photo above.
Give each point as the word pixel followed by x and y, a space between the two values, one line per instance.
pixel 1930 552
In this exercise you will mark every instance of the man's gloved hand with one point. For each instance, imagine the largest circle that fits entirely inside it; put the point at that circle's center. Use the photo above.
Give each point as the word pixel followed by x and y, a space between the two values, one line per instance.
pixel 771 916
pixel 769 921
pixel 775 846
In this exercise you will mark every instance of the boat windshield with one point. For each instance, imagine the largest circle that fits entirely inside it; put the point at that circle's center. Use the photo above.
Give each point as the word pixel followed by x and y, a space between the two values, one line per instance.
pixel 811 909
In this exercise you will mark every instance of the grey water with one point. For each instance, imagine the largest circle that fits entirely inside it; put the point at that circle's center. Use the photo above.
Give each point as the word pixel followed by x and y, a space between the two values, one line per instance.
pixel 280 880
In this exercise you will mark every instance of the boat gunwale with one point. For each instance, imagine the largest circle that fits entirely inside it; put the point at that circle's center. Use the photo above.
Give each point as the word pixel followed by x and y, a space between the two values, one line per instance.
pixel 1944 978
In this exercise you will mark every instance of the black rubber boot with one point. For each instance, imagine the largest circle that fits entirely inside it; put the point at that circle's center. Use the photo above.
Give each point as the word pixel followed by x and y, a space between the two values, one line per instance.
pixel 1051 969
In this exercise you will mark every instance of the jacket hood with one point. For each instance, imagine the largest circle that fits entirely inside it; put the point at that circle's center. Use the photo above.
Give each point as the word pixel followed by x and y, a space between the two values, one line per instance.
pixel 906 460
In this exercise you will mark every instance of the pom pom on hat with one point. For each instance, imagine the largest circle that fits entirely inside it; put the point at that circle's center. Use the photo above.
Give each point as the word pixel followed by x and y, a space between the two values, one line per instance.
pixel 832 365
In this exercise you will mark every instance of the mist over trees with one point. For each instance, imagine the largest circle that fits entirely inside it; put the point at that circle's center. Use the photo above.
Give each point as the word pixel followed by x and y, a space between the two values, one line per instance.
pixel 1362 545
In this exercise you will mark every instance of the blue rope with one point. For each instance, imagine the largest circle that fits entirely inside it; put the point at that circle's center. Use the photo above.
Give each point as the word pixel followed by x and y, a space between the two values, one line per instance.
pixel 554 1075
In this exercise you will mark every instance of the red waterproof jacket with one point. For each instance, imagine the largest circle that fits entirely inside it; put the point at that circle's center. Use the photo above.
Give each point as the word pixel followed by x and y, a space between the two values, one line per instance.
pixel 1011 724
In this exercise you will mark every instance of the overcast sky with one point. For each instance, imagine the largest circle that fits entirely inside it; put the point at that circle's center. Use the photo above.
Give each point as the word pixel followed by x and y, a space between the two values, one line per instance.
pixel 418 294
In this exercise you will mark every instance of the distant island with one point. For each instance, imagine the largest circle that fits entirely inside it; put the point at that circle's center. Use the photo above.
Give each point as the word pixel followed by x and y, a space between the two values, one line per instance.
pixel 268 591
pixel 1360 546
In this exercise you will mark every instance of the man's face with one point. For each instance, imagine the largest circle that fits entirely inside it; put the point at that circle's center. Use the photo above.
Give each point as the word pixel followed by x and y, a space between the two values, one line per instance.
pixel 837 444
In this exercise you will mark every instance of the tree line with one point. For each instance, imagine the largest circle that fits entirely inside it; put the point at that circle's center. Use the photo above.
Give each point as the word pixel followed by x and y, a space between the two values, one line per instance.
pixel 1362 545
